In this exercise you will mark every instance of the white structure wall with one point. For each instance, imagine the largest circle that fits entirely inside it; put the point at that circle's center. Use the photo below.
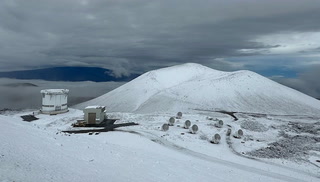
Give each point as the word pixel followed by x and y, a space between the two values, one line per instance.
pixel 54 101
pixel 94 114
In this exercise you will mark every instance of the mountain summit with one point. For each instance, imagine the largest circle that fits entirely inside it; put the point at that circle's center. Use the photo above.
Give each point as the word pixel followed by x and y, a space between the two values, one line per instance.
pixel 193 86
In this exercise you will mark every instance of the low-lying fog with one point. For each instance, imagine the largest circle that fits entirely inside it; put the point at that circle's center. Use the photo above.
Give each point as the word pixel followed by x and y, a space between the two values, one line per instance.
pixel 25 94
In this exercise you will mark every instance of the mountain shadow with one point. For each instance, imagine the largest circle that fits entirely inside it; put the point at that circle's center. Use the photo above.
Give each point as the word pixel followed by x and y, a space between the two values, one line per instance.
pixel 94 74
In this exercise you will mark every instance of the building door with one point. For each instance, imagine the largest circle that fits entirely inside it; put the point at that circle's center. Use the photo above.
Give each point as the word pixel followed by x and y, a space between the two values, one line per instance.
pixel 91 118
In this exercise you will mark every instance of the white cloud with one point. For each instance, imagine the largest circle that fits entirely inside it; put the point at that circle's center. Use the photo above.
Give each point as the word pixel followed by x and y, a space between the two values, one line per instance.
pixel 287 43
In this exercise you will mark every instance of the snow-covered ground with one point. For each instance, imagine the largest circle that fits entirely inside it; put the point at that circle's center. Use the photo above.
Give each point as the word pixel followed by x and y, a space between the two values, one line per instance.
pixel 39 151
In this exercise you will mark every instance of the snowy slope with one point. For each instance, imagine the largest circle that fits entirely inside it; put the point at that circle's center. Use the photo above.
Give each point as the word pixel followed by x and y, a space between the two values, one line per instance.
pixel 36 152
pixel 193 86
pixel 32 154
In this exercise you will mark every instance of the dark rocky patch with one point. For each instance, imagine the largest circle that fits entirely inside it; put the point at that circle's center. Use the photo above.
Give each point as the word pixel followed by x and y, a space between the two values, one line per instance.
pixel 311 128
pixel 253 126
pixel 288 147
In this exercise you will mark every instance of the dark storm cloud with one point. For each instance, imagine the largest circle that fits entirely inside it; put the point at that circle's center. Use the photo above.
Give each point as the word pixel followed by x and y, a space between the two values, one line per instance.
pixel 133 36
pixel 306 82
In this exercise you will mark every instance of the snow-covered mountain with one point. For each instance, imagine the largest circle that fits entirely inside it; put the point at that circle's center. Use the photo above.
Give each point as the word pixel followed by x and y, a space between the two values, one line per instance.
pixel 193 86
pixel 284 148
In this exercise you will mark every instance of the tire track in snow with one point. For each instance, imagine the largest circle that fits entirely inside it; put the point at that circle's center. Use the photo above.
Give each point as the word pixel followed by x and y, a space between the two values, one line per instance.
pixel 171 145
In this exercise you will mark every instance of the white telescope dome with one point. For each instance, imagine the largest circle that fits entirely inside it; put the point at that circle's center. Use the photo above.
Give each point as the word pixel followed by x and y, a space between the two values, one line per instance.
pixel 54 101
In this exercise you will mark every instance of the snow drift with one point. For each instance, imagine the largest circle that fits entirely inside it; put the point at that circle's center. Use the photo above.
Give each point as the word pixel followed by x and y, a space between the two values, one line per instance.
pixel 193 86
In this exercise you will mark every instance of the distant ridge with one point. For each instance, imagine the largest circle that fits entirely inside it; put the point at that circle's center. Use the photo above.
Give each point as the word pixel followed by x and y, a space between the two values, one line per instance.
pixel 20 85
pixel 94 74
pixel 193 86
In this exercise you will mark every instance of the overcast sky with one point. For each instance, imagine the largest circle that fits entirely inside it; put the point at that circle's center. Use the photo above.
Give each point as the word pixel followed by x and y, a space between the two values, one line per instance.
pixel 279 39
